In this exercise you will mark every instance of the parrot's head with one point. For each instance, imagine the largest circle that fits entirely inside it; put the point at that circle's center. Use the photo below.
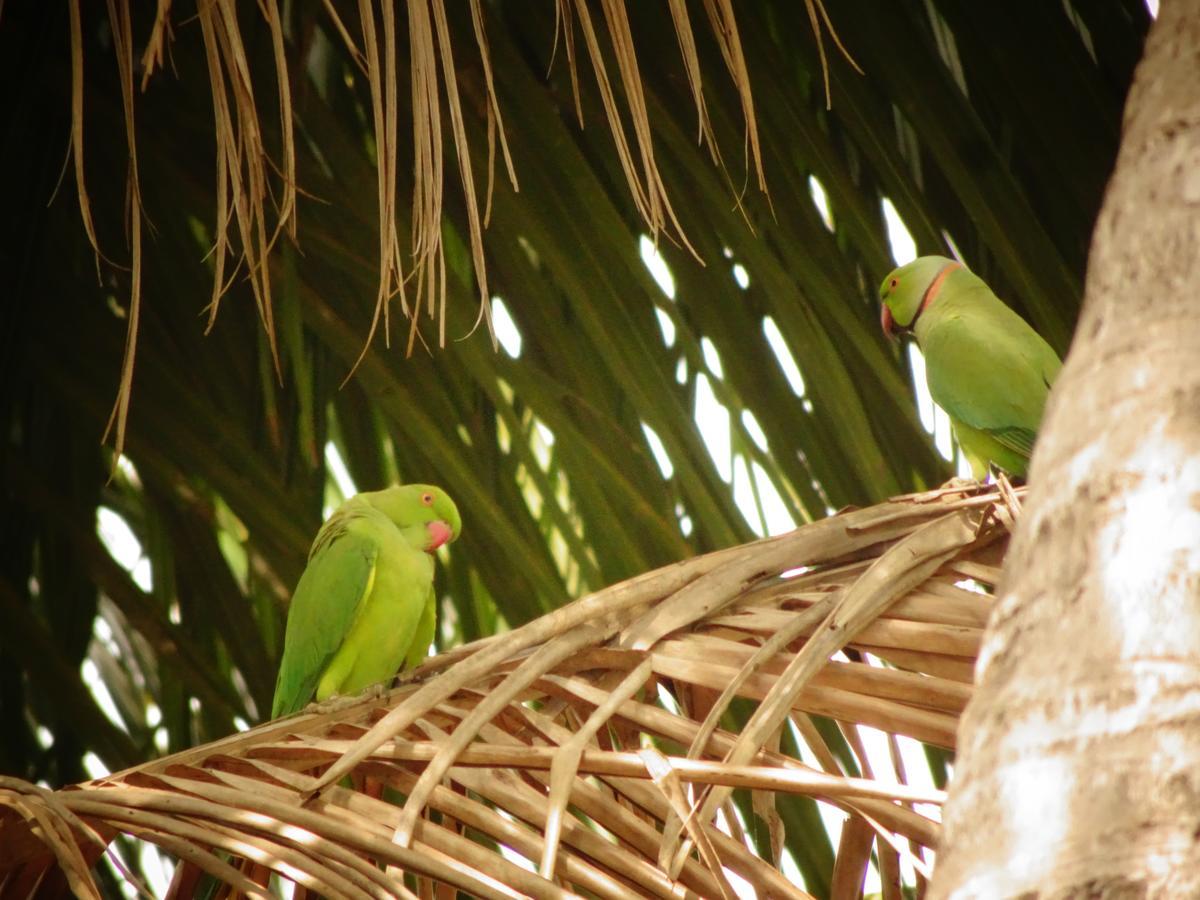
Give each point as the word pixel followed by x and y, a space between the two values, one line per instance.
pixel 909 289
pixel 421 507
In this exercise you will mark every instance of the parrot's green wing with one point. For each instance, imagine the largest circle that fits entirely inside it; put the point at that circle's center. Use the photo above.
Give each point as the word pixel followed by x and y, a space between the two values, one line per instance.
pixel 424 633
pixel 988 369
pixel 339 575
pixel 387 622
pixel 1016 438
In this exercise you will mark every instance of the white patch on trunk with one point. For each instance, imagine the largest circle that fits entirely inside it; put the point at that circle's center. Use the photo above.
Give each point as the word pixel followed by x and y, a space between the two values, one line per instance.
pixel 1151 547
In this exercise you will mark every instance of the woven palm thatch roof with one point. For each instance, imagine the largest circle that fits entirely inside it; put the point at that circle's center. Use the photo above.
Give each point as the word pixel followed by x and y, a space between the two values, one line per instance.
pixel 599 742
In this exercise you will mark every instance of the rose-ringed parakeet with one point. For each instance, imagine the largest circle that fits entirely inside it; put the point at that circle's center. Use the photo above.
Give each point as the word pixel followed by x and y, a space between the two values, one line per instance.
pixel 984 365
pixel 364 607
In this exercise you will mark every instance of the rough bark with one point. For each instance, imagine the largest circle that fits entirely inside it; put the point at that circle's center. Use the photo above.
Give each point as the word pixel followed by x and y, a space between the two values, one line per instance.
pixel 1079 764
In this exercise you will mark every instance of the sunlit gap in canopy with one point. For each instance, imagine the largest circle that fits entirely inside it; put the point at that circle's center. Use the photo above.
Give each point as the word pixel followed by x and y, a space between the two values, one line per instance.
pixel 129 471
pixel 660 452
pixel 511 855
pixel 759 501
pixel 124 547
pixel 659 270
pixel 772 516
pixel 787 362
pixel 742 888
pixel 791 871
pixel 754 493
pixel 1152 5
pixel 913 770
pixel 506 329
pixel 750 423
pixel 831 817
pixel 158 869
pixel 712 358
pixel 916 773
pixel 118 538
pixel 904 248
pixel 817 191
pixel 933 417
pixel 661 273
pixel 44 737
pixel 103 697
pixel 685 521
pixel 741 276
pixel 712 418
pixel 337 470
pixel 665 325
pixel 541 442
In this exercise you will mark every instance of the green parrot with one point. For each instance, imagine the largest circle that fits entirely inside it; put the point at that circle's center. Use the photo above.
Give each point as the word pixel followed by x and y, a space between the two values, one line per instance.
pixel 985 366
pixel 364 607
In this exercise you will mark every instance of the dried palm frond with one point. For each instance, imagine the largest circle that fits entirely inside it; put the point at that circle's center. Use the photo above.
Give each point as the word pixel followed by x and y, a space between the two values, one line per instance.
pixel 590 741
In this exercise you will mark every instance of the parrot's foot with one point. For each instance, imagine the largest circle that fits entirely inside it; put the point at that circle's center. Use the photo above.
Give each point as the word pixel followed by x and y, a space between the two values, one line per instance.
pixel 375 691
pixel 338 702
pixel 953 486
pixel 334 703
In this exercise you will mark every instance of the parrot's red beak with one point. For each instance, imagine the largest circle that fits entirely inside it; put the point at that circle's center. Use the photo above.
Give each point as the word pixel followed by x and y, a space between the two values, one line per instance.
pixel 886 320
pixel 439 533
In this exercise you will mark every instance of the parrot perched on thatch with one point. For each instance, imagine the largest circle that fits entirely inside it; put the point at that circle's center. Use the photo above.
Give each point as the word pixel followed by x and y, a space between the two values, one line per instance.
pixel 985 366
pixel 364 607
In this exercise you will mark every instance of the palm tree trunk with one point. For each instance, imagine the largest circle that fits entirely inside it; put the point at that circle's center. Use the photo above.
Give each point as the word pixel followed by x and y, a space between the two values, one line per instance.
pixel 1080 751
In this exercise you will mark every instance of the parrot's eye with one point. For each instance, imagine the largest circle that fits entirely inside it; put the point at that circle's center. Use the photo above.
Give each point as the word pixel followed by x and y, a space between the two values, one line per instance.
pixel 894 283
pixel 427 499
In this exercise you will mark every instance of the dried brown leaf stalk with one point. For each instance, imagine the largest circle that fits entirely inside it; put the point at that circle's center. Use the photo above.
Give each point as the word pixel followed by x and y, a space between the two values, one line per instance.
pixel 600 720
